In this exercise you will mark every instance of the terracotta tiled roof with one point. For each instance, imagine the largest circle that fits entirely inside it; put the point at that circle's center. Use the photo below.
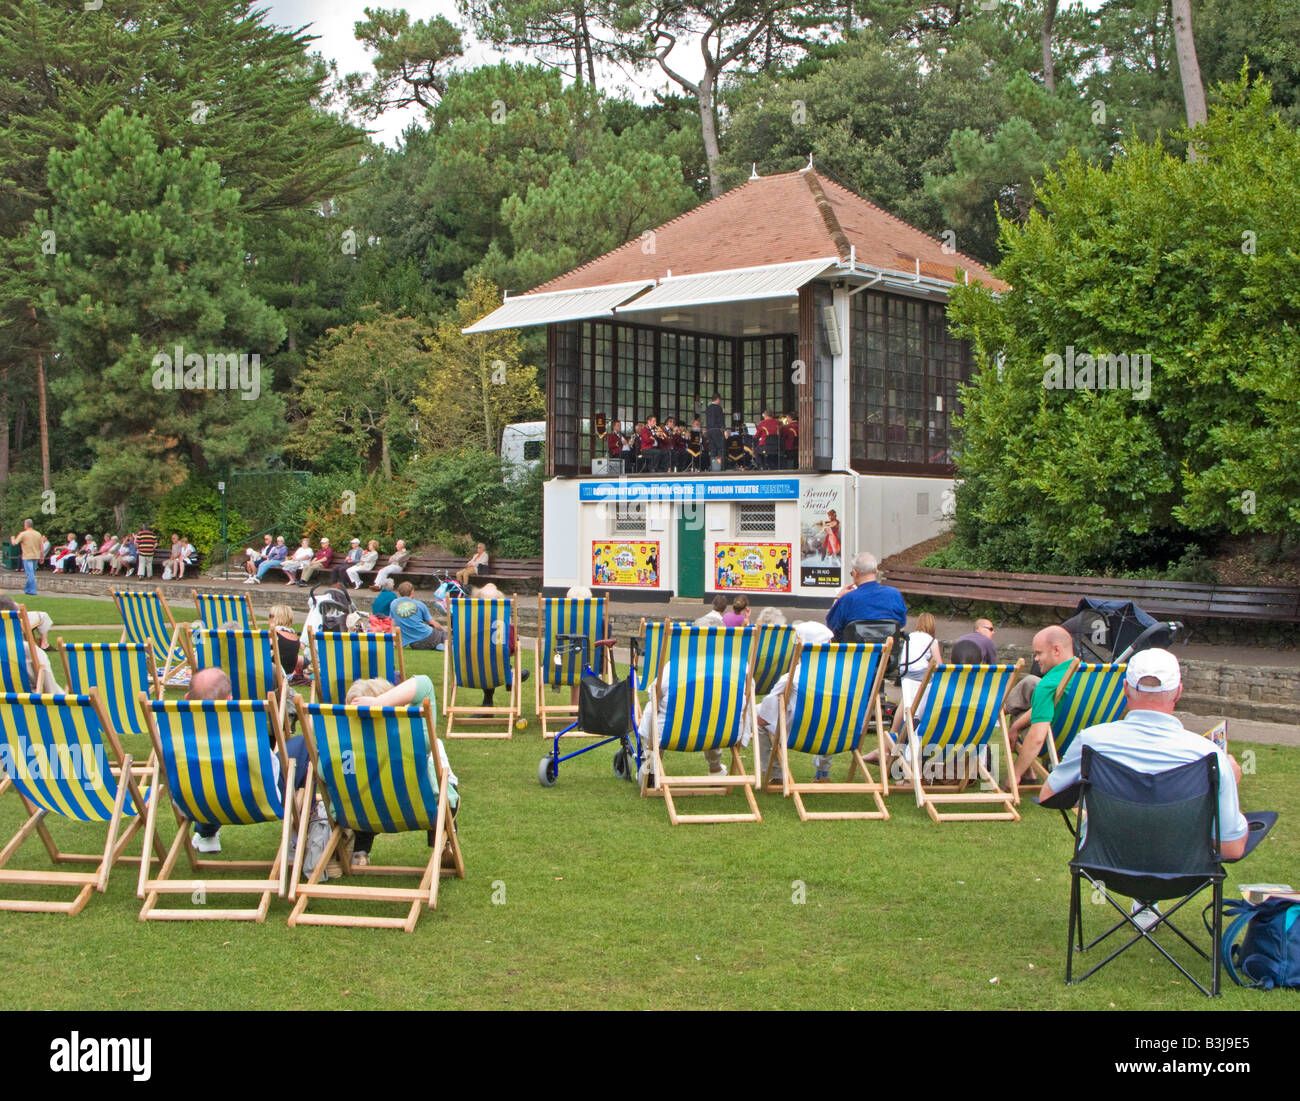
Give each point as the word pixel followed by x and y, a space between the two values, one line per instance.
pixel 773 220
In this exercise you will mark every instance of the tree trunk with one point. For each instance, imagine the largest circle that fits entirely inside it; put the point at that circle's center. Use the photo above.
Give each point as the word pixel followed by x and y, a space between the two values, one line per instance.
pixel 4 425
pixel 1049 64
pixel 709 130
pixel 1188 68
pixel 385 459
pixel 42 411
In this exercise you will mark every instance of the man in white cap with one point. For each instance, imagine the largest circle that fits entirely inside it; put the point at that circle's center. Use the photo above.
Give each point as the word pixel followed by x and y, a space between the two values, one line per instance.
pixel 1149 739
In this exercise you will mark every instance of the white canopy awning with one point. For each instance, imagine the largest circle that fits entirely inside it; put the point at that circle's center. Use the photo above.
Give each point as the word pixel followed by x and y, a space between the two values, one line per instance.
pixel 737 285
pixel 554 306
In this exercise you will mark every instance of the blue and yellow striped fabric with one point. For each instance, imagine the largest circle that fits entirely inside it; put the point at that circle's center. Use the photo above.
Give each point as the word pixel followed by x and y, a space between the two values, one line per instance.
pixel 118 672
pixel 775 647
pixel 248 658
pixel 343 657
pixel 571 617
pixel 480 643
pixel 707 678
pixel 1094 695
pixel 53 751
pixel 961 705
pixel 14 676
pixel 652 642
pixel 218 759
pixel 374 762
pixel 832 696
pixel 146 621
pixel 218 608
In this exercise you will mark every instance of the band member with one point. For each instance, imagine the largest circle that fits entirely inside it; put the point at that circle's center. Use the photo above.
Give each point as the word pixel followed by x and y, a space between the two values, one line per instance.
pixel 714 421
pixel 612 440
pixel 677 442
pixel 739 456
pixel 789 442
pixel 654 446
pixel 768 442
pixel 695 446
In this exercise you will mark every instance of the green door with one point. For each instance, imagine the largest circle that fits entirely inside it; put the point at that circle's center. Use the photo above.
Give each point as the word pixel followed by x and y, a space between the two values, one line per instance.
pixel 690 552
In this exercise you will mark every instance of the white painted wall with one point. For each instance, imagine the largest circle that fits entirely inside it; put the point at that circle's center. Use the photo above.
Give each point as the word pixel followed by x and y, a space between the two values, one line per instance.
pixel 896 512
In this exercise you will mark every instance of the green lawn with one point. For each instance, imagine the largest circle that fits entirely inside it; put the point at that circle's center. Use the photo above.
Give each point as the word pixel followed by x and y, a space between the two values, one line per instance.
pixel 600 903
pixel 77 609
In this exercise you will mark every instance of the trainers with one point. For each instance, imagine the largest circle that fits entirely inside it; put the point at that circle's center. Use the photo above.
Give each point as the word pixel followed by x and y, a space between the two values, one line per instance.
pixel 821 776
pixel 360 859
pixel 723 772
pixel 208 844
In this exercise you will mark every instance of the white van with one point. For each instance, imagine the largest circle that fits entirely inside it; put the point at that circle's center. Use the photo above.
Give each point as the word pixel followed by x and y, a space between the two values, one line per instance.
pixel 523 446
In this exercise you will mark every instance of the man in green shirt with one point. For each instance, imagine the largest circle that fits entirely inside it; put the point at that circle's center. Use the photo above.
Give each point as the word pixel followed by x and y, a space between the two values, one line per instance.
pixel 1053 648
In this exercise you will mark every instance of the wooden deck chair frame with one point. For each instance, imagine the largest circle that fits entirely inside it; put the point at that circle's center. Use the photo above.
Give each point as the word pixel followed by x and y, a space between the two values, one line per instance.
pixel 878 790
pixel 121 826
pixel 204 603
pixel 673 787
pixel 174 658
pixel 445 858
pixel 543 681
pixel 274 881
pixel 478 715
pixel 1093 703
pixel 16 634
pixel 279 685
pixel 931 796
pixel 381 643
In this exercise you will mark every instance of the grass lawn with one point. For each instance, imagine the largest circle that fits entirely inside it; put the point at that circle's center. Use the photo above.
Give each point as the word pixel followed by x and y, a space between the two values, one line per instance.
pixel 583 896
pixel 80 610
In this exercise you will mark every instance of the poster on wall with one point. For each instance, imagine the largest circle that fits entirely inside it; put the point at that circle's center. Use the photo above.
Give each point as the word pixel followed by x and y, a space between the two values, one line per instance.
pixel 624 562
pixel 821 549
pixel 752 567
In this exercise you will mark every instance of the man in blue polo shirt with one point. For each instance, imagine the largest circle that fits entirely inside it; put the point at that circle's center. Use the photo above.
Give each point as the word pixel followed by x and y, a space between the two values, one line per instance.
pixel 1149 739
pixel 868 599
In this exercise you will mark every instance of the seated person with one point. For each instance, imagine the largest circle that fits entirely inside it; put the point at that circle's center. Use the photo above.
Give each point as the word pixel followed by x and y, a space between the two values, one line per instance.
pixel 296 561
pixel 365 565
pixel 920 652
pixel 1149 739
pixel 288 645
pixel 1053 649
pixel 738 616
pixel 125 558
pixel 713 757
pixel 383 603
pixel 491 592
pixel 396 564
pixel 42 676
pixel 254 558
pixel 477 564
pixel 415 624
pixel 86 552
pixel 275 558
pixel 107 548
pixel 739 455
pixel 380 693
pixel 323 559
pixel 61 556
pixel 868 599
pixel 982 636
pixel 713 617
pixel 769 709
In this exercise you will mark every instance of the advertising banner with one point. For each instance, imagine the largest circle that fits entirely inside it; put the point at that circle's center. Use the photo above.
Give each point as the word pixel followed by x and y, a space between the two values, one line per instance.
pixel 752 567
pixel 625 562
pixel 821 552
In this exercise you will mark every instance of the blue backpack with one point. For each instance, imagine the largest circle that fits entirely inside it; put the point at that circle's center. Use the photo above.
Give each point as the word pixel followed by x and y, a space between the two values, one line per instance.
pixel 1269 954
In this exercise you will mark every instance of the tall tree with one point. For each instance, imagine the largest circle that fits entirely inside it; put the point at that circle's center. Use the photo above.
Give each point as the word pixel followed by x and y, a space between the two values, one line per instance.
pixel 572 33
pixel 410 61
pixel 157 333
pixel 1189 68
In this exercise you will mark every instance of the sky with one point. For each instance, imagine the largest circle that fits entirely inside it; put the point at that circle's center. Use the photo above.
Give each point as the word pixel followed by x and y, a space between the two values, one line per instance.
pixel 332 21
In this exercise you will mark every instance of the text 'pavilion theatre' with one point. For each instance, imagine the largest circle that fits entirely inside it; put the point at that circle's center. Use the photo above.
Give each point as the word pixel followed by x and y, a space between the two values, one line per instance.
pixel 790 294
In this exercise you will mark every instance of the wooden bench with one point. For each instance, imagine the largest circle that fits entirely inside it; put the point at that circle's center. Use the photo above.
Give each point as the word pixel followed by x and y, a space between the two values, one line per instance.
pixel 1161 599
pixel 434 567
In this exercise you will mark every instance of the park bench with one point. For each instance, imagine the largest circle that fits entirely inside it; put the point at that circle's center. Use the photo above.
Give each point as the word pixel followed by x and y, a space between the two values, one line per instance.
pixel 428 569
pixel 1163 599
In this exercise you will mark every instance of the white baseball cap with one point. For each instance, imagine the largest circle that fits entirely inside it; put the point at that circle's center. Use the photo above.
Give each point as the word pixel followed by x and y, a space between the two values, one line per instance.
pixel 356 542
pixel 1154 663
pixel 812 633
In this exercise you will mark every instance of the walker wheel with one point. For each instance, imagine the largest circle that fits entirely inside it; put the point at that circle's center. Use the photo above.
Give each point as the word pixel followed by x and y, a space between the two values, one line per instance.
pixel 620 765
pixel 546 772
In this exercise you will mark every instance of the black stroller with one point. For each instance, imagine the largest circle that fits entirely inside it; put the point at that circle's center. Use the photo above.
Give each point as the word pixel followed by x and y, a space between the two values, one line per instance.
pixel 1114 630
pixel 335 607
pixel 607 710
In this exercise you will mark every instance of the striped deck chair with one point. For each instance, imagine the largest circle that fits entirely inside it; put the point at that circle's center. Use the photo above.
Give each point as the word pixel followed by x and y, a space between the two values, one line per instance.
pixel 343 657
pixel 147 620
pixel 249 659
pixel 118 672
pixel 708 700
pixel 586 617
pixel 1086 695
pixel 775 651
pixel 956 714
pixel 836 694
pixel 478 659
pixel 214 758
pixel 17 652
pixel 61 757
pixel 218 609
pixel 652 644
pixel 373 763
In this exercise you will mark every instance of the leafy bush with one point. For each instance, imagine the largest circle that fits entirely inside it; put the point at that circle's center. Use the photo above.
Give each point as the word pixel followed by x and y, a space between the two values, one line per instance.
pixel 193 509
pixel 68 510
pixel 344 506
pixel 462 498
